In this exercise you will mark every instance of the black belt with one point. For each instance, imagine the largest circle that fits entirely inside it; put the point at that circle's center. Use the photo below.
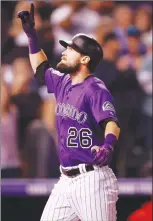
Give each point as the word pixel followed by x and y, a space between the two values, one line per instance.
pixel 76 171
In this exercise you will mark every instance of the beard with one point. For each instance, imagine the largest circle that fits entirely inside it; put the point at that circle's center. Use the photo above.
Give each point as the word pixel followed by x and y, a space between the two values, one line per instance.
pixel 67 69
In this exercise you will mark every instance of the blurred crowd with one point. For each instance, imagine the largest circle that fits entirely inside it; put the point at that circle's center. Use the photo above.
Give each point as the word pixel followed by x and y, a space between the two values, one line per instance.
pixel 29 139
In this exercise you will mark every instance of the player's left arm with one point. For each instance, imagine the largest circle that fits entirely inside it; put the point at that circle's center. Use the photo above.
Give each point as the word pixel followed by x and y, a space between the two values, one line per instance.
pixel 103 154
pixel 112 128
pixel 103 110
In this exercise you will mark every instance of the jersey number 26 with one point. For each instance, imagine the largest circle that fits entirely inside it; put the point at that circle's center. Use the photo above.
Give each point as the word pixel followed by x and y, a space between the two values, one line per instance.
pixel 84 137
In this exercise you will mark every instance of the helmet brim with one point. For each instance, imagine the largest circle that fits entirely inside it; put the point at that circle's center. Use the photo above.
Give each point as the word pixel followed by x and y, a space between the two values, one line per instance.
pixel 65 43
pixel 71 44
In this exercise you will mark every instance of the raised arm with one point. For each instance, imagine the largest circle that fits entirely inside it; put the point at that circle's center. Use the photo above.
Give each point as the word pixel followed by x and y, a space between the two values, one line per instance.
pixel 37 59
pixel 36 55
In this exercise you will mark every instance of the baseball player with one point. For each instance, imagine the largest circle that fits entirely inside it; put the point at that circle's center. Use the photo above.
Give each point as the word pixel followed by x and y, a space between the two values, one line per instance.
pixel 87 128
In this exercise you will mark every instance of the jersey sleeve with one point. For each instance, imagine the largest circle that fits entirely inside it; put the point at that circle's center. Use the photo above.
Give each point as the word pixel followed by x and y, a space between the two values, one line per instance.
pixel 102 106
pixel 53 79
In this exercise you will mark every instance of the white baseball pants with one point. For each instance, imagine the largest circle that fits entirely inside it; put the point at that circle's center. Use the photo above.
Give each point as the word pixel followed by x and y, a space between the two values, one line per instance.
pixel 90 196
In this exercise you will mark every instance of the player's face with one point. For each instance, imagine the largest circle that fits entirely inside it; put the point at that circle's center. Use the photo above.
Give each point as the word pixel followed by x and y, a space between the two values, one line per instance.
pixel 70 61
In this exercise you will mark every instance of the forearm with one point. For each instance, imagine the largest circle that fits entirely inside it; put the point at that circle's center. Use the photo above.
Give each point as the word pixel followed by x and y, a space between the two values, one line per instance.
pixel 36 55
pixel 36 59
pixel 112 128
pixel 104 153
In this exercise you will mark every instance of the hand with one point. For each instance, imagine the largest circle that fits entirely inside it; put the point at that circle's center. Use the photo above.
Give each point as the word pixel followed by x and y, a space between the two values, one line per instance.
pixel 28 22
pixel 102 154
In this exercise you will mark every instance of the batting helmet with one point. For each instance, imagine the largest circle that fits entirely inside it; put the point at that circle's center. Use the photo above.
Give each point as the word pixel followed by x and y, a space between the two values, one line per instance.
pixel 86 45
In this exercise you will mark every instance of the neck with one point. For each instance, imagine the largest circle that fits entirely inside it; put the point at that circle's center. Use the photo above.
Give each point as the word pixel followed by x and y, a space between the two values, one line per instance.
pixel 79 76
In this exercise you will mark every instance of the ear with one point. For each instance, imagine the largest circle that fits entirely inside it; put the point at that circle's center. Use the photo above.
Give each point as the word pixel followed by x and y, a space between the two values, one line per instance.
pixel 85 60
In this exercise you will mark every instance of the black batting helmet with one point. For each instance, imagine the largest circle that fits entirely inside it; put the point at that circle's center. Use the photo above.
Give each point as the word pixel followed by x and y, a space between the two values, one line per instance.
pixel 88 46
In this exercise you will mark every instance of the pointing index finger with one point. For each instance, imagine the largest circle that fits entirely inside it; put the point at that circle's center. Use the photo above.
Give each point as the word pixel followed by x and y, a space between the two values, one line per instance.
pixel 32 10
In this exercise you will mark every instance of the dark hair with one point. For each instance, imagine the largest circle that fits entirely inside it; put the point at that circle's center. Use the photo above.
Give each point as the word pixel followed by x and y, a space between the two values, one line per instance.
pixel 109 36
pixel 92 66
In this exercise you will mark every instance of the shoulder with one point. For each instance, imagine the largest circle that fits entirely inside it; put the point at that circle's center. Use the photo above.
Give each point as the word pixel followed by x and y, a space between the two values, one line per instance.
pixel 53 71
pixel 96 85
pixel 58 74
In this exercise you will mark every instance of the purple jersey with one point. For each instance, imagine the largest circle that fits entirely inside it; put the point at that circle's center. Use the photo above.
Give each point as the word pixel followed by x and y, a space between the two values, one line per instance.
pixel 79 110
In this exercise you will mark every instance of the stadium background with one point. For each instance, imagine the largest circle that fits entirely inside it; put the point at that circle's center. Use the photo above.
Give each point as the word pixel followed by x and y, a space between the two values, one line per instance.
pixel 29 161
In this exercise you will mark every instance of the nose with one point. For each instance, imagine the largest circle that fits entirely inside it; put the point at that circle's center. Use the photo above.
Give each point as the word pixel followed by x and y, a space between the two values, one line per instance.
pixel 64 52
